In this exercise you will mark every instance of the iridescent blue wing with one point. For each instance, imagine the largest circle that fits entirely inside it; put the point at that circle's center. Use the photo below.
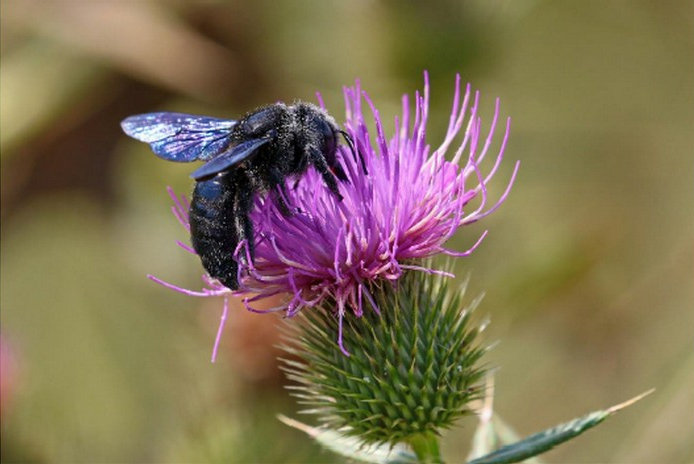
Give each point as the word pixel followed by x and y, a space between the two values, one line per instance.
pixel 180 137
pixel 232 157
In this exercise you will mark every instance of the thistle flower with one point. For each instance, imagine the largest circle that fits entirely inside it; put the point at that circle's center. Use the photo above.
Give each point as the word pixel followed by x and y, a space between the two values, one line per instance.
pixel 398 209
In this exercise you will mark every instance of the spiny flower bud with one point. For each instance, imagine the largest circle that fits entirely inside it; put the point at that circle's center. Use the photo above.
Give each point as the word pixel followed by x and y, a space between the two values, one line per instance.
pixel 412 369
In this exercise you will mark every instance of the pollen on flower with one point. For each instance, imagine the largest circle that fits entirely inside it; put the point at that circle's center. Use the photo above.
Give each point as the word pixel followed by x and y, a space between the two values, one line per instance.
pixel 398 209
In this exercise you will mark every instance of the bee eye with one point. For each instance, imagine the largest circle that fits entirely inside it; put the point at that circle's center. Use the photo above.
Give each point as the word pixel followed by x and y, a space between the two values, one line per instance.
pixel 330 145
pixel 328 136
pixel 329 141
pixel 330 153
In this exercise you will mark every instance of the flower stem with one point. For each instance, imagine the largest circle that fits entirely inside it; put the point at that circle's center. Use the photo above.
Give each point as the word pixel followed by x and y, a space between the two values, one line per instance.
pixel 426 447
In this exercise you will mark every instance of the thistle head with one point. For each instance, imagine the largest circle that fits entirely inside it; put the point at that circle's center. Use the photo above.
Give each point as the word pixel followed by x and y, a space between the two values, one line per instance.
pixel 412 370
pixel 402 200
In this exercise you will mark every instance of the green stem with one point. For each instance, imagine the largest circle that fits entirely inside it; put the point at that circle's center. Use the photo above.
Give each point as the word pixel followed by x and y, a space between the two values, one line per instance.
pixel 426 447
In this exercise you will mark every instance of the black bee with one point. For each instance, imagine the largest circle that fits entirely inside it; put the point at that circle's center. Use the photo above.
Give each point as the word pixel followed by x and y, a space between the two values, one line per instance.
pixel 243 157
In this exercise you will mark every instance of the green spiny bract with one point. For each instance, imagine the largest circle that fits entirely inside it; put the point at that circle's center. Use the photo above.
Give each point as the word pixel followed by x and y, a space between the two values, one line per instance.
pixel 412 369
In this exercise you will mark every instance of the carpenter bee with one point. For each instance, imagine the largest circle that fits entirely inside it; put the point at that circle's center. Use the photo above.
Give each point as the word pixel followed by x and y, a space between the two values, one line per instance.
pixel 254 154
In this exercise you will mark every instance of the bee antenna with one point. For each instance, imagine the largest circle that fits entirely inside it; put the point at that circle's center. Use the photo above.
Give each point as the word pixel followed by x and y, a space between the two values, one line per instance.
pixel 350 143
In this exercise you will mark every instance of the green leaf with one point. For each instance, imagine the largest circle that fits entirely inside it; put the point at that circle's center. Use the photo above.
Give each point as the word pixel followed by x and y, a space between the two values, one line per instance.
pixel 544 441
pixel 492 432
pixel 353 448
pixel 490 435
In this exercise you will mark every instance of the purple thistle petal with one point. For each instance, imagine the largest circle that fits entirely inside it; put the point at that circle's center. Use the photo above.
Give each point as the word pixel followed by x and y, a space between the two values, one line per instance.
pixel 186 247
pixel 222 321
pixel 341 316
pixel 319 99
pixel 427 270
pixel 263 311
pixel 369 297
pixel 205 292
pixel 178 209
pixel 468 252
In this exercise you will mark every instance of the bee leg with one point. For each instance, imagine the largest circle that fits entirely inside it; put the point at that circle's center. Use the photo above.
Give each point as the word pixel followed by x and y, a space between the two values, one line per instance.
pixel 279 194
pixel 303 164
pixel 242 223
pixel 318 160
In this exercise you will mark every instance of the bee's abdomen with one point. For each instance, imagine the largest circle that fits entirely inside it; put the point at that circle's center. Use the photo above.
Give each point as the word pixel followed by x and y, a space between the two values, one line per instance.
pixel 212 230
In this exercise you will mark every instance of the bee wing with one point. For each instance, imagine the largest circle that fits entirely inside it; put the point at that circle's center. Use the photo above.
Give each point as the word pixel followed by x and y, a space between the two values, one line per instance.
pixel 180 137
pixel 232 157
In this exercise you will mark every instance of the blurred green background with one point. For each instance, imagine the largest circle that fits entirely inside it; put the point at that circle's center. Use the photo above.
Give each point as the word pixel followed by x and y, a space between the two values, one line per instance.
pixel 588 268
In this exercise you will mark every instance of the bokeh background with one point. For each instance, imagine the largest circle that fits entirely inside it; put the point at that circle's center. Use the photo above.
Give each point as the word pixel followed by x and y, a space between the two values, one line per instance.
pixel 588 269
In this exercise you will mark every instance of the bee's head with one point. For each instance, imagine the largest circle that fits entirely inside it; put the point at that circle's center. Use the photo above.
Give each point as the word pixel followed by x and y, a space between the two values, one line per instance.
pixel 324 128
